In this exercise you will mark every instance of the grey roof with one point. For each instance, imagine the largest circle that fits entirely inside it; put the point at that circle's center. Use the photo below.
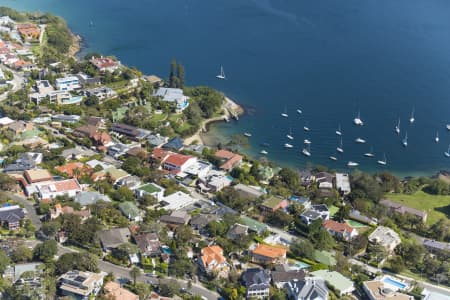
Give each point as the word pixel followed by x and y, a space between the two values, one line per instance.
pixel 148 243
pixel 311 214
pixel 320 207
pixel 156 139
pixel 436 245
pixel 88 198
pixel 255 279
pixel 77 151
pixel 402 208
pixel 112 238
pixel 200 221
pixel 19 269
pixel 19 167
pixel 176 143
pixel 238 229
pixel 11 215
pixel 309 288
pixel 169 94
pixel 251 191
pixel 283 276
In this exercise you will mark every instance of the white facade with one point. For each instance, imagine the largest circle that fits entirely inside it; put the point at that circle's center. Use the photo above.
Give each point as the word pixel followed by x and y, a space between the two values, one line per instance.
pixel 178 200
pixel 343 183
pixel 69 83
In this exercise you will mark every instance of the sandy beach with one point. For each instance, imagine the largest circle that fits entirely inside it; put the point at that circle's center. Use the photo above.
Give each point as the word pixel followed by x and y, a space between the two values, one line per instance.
pixel 230 110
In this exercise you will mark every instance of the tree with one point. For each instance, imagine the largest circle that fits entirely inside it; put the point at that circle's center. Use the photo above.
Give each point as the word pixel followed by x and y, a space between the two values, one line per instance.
pixel 22 254
pixel 4 261
pixel 169 288
pixel 172 76
pixel 342 213
pixel 183 234
pixel 303 248
pixel 135 272
pixel 180 75
pixel 124 194
pixel 143 290
pixel 76 261
pixel 396 263
pixel 7 183
pixel 45 251
pixel 279 218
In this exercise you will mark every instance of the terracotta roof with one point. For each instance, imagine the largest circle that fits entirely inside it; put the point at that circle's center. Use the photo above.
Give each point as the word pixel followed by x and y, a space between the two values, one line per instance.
pixel 37 175
pixel 160 154
pixel 212 255
pixel 66 185
pixel 269 251
pixel 114 291
pixel 177 159
pixel 104 62
pixel 231 159
pixel 224 154
pixel 70 167
pixel 337 227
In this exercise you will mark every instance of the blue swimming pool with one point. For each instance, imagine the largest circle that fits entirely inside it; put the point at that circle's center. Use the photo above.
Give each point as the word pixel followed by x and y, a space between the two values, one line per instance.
pixel 398 284
pixel 166 250
pixel 301 265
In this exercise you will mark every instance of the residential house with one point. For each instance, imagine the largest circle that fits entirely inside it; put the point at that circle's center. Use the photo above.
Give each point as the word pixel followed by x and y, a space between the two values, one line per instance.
pixel 151 189
pixel 80 285
pixel 253 225
pixel 201 221
pixel 177 200
pixel 306 177
pixel 105 64
pixel 398 208
pixel 116 150
pixel 343 183
pixel 341 284
pixel 266 173
pixel 5 121
pixel 273 204
pixel 267 254
pixel 148 243
pixel 173 95
pixel 102 93
pixel 86 80
pixel 175 144
pixel 248 192
pixel 378 290
pixel 310 288
pixel 436 246
pixel 29 31
pixel 131 211
pixel 112 172
pixel 19 269
pixel 37 175
pixel 237 232
pixel 112 238
pixel 18 127
pixel 357 216
pixel 303 201
pixel 137 151
pixel 340 230
pixel 132 182
pixel 385 237
pixel 212 261
pixel 77 153
pixel 71 119
pixel 113 290
pixel 215 181
pixel 11 216
pixel 176 218
pixel 156 140
pixel 178 163
pixel 256 282
pixel 316 212
pixel 68 83
pixel 97 122
pixel 68 210
pixel 129 131
pixel 35 157
pixel 89 198
pixel 229 159
pixel 48 191
pixel 324 180
pixel 74 169
pixel 280 278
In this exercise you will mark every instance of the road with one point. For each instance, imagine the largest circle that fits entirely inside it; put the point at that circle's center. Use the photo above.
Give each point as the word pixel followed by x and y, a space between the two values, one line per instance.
pixel 17 82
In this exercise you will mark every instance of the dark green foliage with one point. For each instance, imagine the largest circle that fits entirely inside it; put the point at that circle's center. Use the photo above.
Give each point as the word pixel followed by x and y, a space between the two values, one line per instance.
pixel 76 261
pixel 45 251
pixel 303 248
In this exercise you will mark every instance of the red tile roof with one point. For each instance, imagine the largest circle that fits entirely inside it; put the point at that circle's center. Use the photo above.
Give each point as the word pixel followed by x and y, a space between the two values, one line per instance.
pixel 212 254
pixel 231 159
pixel 337 227
pixel 160 154
pixel 176 159
pixel 269 251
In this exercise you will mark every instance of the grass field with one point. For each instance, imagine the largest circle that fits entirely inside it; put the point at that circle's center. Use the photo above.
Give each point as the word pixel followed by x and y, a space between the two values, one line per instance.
pixel 436 206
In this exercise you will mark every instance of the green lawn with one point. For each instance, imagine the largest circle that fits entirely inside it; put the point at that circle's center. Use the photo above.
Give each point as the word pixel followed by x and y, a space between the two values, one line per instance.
pixel 436 206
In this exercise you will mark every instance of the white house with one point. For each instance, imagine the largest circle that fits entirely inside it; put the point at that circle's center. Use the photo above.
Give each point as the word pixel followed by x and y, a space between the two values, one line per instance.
pixel 68 83
pixel 177 201
pixel 385 237
pixel 343 183
pixel 340 230
pixel 49 190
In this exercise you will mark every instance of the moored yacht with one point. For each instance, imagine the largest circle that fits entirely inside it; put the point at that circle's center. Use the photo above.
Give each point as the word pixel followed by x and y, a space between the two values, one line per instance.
pixel 384 161
pixel 370 153
pixel 306 141
pixel 358 120
pixel 299 111
pixel 436 139
pixel 247 134
pixel 333 158
pixel 397 128
pixel 339 148
pixel 289 136
pixel 288 145
pixel 307 151
pixel 264 152
pixel 447 154
pixel 405 140
pixel 222 74
pixel 412 119
pixel 360 141
pixel 284 114
pixel 352 164
pixel 338 131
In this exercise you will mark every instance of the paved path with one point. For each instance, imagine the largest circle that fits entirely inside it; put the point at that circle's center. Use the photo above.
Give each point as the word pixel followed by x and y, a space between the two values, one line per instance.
pixel 17 82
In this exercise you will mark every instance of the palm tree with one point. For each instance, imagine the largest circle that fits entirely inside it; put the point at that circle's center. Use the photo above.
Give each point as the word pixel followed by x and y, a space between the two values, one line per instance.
pixel 135 272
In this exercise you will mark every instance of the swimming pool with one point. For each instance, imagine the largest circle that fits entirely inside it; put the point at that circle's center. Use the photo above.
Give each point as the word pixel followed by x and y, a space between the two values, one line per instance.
pixel 398 284
pixel 301 265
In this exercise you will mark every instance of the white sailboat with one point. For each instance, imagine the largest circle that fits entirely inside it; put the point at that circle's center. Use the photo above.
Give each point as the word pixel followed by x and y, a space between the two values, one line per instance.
pixel 247 134
pixel 448 126
pixel 412 119
pixel 384 161
pixel 360 141
pixel 264 152
pixel 338 131
pixel 339 148
pixel 397 128
pixel 447 154
pixel 306 141
pixel 306 128
pixel 288 145
pixel 299 111
pixel 222 74
pixel 370 153
pixel 307 151
pixel 352 164
pixel 405 140
pixel 358 120
pixel 284 114
pixel 289 136
pixel 333 158
pixel 436 139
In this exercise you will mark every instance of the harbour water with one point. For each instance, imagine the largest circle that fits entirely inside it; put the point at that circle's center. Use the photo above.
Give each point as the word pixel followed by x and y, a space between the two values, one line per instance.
pixel 329 58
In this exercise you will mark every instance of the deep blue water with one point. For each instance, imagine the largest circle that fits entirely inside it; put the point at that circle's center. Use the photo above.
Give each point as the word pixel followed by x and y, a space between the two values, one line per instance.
pixel 330 58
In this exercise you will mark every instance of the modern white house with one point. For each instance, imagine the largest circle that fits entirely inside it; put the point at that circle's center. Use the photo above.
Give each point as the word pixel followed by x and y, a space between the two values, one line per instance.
pixel 173 95
pixel 385 237
pixel 68 83
pixel 343 183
